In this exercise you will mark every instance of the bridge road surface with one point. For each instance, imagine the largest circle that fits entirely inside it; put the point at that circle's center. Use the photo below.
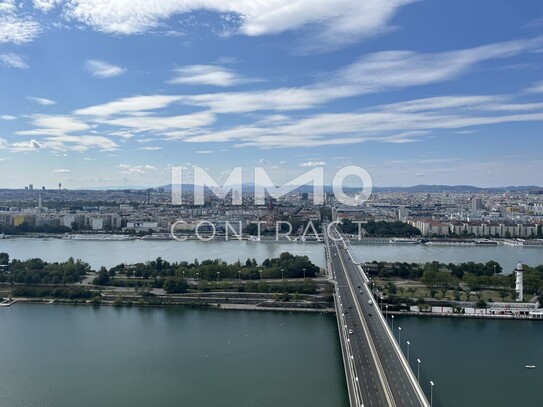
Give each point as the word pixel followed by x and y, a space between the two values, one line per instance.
pixel 384 379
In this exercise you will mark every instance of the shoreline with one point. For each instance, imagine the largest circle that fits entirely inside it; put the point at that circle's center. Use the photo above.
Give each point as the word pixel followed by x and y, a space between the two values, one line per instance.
pixel 255 307
pixel 200 305
pixel 460 316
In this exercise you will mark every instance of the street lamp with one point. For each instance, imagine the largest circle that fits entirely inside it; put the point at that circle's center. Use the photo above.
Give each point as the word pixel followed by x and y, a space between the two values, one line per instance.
pixel 431 393
pixel 386 313
pixel 408 343
pixel 418 370
pixel 400 336
pixel 392 316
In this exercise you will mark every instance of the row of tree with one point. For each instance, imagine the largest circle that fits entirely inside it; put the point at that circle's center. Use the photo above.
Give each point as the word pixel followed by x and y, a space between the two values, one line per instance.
pixel 474 276
pixel 36 271
pixel 380 228
pixel 285 266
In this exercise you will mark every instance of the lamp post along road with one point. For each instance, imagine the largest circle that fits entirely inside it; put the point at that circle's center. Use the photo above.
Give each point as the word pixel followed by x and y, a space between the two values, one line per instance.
pixel 431 393
pixel 418 370
pixel 400 336
pixel 408 343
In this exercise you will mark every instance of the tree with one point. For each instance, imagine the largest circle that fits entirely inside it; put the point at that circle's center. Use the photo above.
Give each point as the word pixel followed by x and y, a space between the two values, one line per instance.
pixel 103 277
pixel 481 304
pixel 457 294
pixel 4 259
pixel 443 292
pixel 175 285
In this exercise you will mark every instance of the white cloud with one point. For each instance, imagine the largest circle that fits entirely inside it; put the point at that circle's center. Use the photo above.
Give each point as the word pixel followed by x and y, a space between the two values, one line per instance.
pixel 207 75
pixel 204 152
pixel 536 88
pixel 377 72
pixel 398 69
pixel 11 60
pixel 61 171
pixel 336 21
pixel 25 146
pixel 46 5
pixel 313 164
pixel 41 101
pixel 129 105
pixel 80 143
pixel 151 148
pixel 397 123
pixel 103 70
pixel 163 123
pixel 8 117
pixel 135 169
pixel 14 27
pixel 54 125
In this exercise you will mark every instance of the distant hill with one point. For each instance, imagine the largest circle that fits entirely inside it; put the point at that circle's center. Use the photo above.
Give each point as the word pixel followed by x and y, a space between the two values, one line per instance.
pixel 454 189
pixel 412 189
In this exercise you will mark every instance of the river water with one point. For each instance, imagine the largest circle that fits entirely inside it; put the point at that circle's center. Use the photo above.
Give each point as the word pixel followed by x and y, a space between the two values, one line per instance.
pixel 66 356
pixel 476 362
pixel 111 253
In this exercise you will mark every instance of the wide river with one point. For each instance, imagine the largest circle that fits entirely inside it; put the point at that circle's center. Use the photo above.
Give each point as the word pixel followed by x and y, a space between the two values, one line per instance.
pixel 65 356
pixel 68 356
pixel 111 253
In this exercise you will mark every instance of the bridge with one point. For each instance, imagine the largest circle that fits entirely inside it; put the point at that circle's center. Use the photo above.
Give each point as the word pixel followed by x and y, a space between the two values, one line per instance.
pixel 377 372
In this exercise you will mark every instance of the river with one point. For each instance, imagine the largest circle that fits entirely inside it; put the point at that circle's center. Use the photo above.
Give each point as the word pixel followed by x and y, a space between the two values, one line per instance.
pixel 111 253
pixel 66 356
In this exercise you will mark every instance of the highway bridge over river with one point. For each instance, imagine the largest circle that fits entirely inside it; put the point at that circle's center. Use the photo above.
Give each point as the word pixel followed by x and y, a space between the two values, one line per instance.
pixel 377 372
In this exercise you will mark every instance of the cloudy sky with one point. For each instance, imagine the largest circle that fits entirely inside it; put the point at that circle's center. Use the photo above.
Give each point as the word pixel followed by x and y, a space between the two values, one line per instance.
pixel 103 93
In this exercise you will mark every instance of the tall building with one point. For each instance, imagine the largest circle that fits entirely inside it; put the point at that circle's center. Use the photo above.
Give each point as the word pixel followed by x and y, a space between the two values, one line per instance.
pixel 477 204
pixel 403 214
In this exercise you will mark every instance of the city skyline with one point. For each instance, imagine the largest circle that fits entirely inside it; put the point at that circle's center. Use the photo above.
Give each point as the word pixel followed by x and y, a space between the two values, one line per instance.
pixel 416 92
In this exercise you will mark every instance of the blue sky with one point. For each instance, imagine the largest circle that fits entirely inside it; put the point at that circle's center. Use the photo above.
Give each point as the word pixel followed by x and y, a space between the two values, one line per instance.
pixel 97 93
